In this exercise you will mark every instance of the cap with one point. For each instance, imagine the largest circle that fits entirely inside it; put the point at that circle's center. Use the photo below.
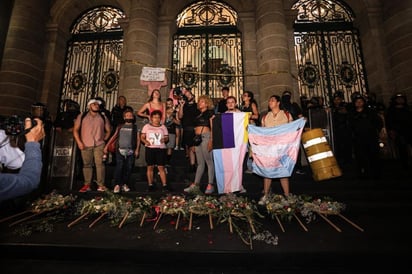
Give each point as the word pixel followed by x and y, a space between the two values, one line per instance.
pixel 92 101
pixel 287 92
pixel 338 94
pixel 358 96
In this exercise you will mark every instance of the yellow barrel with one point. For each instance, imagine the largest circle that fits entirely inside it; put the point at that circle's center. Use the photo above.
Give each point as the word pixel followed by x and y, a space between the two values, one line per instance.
pixel 320 156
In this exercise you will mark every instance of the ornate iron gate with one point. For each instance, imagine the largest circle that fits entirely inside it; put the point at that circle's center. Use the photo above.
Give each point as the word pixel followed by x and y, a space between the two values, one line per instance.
pixel 207 62
pixel 207 50
pixel 93 57
pixel 92 67
pixel 328 50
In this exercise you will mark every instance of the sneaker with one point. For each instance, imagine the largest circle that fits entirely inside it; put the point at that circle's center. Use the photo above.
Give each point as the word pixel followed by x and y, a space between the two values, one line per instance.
pixel 102 189
pixel 116 189
pixel 176 148
pixel 151 188
pixel 182 148
pixel 249 171
pixel 125 188
pixel 242 190
pixel 166 188
pixel 300 172
pixel 263 200
pixel 85 188
pixel 192 188
pixel 209 189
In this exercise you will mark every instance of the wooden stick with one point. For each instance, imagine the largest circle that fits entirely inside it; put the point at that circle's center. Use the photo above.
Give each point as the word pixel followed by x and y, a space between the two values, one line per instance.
pixel 251 225
pixel 143 217
pixel 280 223
pixel 230 224
pixel 24 219
pixel 158 219
pixel 177 221
pixel 78 219
pixel 124 219
pixel 210 221
pixel 190 220
pixel 329 222
pixel 352 223
pixel 251 243
pixel 300 222
pixel 14 216
pixel 98 219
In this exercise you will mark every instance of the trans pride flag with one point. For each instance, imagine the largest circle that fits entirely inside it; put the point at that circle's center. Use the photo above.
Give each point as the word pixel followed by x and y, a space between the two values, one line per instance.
pixel 275 149
pixel 229 149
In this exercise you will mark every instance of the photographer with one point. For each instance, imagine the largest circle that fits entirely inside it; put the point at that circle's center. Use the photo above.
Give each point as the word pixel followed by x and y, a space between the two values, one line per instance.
pixel 28 178
pixel 11 156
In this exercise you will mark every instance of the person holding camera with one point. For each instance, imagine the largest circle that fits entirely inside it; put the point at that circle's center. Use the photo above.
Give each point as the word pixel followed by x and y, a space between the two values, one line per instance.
pixel 11 156
pixel 13 185
pixel 187 114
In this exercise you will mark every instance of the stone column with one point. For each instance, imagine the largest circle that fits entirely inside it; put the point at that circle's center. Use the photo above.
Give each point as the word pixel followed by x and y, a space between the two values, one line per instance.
pixel 272 49
pixel 22 65
pixel 140 42
pixel 397 26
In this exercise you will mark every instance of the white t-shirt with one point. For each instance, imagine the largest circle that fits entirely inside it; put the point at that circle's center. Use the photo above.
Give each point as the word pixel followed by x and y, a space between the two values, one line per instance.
pixel 10 157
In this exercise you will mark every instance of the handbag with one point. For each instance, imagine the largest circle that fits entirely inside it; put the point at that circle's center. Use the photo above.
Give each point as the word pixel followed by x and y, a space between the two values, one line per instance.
pixel 197 139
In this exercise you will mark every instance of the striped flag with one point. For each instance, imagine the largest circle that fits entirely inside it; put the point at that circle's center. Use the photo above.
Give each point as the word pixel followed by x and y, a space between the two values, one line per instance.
pixel 229 149
pixel 275 149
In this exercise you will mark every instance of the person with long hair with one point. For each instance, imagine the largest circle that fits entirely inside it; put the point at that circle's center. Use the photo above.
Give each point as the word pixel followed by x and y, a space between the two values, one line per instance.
pixel 154 103
pixel 249 104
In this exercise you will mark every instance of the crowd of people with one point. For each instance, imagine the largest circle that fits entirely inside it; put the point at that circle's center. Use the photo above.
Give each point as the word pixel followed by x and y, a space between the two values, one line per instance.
pixel 361 128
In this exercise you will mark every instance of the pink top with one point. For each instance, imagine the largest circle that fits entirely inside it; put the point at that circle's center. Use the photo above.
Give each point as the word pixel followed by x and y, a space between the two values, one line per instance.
pixel 92 130
pixel 154 135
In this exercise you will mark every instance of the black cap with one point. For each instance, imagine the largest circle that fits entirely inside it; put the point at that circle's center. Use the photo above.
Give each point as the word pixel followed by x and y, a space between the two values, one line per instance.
pixel 287 92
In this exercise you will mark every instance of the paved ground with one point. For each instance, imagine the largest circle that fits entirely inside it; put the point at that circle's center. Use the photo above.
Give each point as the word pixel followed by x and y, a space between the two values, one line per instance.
pixel 380 207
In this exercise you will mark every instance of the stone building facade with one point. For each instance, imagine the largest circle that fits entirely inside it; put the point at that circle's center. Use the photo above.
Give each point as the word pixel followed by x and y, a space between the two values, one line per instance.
pixel 34 37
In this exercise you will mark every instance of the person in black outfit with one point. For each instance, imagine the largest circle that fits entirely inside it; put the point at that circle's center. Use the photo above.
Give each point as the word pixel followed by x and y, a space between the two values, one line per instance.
pixel 65 119
pixel 399 127
pixel 341 133
pixel 187 113
pixel 117 111
pixel 221 105
pixel 295 110
pixel 365 125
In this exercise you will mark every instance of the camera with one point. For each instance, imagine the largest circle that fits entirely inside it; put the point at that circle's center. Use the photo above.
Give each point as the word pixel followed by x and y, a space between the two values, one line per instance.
pixel 178 94
pixel 14 125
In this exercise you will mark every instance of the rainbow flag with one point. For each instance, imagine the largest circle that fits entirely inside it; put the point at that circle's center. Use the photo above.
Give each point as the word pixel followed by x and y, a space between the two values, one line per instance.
pixel 275 149
pixel 230 141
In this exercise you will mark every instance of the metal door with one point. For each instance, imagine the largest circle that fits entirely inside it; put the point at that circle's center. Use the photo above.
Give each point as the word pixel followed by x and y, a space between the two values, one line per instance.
pixel 207 50
pixel 328 50
pixel 93 57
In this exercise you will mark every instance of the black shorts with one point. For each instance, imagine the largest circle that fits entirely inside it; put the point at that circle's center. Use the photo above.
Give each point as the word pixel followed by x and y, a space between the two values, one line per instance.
pixel 155 156
pixel 188 134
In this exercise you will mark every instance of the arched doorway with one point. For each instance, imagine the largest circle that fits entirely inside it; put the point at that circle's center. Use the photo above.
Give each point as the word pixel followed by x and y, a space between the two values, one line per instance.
pixel 93 57
pixel 207 50
pixel 328 50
